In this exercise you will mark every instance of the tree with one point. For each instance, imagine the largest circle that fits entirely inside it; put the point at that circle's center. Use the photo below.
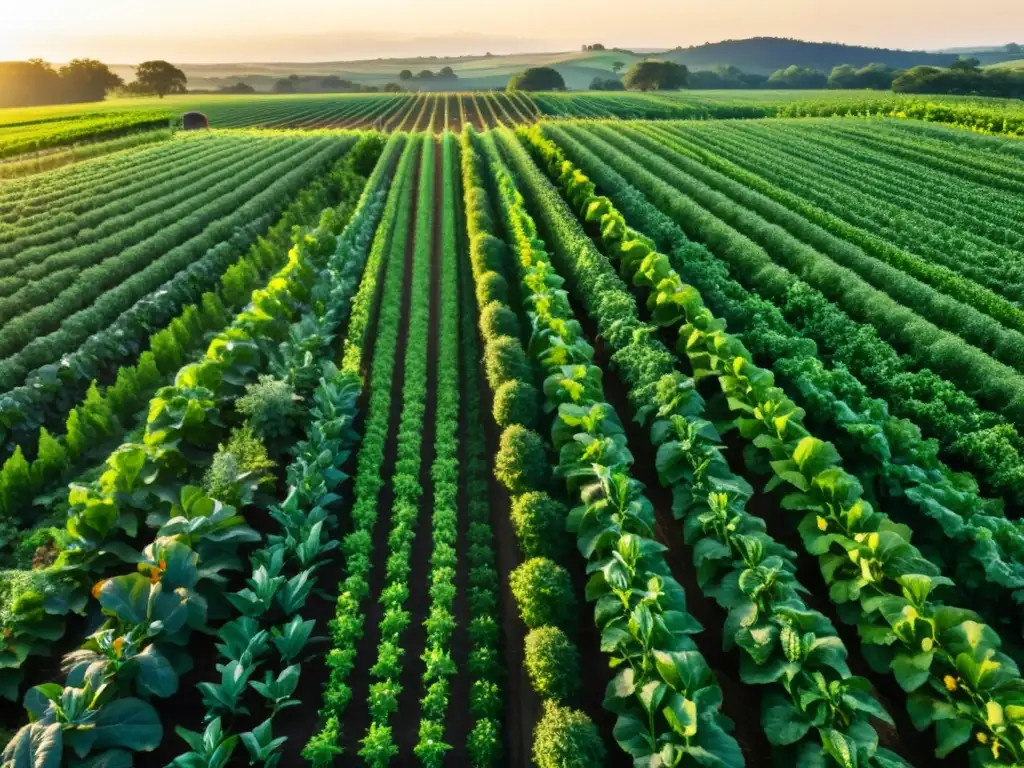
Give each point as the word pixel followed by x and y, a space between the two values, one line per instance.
pixel 160 77
pixel 285 85
pixel 393 88
pixel 1013 48
pixel 405 74
pixel 537 79
pixel 240 88
pixel 88 80
pixel 606 84
pixel 656 76
pixel 425 74
pixel 798 77
pixel 27 83
pixel 618 66
pixel 965 64
pixel 447 72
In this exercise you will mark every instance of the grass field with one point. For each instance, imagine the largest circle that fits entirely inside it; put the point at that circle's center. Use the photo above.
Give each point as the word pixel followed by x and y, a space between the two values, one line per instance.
pixel 520 428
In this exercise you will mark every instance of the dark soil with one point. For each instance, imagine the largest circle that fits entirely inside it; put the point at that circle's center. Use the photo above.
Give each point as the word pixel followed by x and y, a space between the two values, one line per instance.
pixel 472 113
pixel 454 118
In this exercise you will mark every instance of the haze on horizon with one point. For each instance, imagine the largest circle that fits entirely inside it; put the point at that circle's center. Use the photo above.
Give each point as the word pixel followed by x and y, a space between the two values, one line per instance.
pixel 208 31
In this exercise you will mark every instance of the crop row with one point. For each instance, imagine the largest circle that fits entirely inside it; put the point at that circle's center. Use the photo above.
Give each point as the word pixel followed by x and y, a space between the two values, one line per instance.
pixel 104 290
pixel 892 459
pixel 378 296
pixel 407 490
pixel 284 570
pixel 33 137
pixel 932 291
pixel 925 239
pixel 540 585
pixel 104 414
pixel 941 654
pixel 486 706
pixel 168 596
pixel 984 440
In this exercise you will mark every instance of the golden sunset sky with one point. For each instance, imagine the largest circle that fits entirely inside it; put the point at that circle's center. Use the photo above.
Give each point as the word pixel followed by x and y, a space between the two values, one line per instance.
pixel 126 31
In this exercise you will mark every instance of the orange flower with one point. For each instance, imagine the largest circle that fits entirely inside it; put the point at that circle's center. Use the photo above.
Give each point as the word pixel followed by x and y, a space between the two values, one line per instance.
pixel 118 646
pixel 97 587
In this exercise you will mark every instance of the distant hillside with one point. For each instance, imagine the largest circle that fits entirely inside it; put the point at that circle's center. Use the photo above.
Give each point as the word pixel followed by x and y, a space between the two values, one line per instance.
pixel 764 55
pixel 474 72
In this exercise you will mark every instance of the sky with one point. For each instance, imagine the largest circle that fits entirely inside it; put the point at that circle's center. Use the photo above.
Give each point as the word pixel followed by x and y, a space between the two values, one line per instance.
pixel 207 31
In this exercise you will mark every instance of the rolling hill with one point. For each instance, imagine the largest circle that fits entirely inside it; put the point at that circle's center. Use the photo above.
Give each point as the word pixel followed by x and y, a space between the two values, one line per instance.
pixel 759 55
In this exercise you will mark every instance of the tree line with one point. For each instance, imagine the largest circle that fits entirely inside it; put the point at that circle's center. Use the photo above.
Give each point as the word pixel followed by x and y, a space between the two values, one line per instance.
pixel 36 82
pixel 964 77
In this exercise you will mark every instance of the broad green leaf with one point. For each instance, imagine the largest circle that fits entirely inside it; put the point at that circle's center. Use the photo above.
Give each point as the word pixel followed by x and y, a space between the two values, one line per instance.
pixel 129 723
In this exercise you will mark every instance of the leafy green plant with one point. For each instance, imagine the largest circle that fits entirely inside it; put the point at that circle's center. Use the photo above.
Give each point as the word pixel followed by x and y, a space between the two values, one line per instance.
pixel 543 592
pixel 210 749
pixel 84 722
pixel 226 696
pixel 553 663
pixel 378 748
pixel 270 405
pixel 291 639
pixel 566 738
pixel 521 463
pixel 278 691
pixel 263 748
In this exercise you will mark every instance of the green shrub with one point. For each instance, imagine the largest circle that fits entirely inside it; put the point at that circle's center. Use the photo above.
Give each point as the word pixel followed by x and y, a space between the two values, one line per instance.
pixel 271 405
pixel 498 320
pixel 484 743
pixel 488 253
pixel 566 738
pixel 238 469
pixel 539 521
pixel 491 286
pixel 516 402
pixel 505 360
pixel 553 662
pixel 521 464
pixel 543 592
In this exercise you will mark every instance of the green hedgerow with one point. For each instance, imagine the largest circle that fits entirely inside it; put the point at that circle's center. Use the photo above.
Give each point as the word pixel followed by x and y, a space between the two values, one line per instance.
pixel 521 463
pixel 498 320
pixel 553 662
pixel 491 286
pixel 567 738
pixel 543 591
pixel 505 360
pixel 539 521
pixel 515 402
pixel 488 253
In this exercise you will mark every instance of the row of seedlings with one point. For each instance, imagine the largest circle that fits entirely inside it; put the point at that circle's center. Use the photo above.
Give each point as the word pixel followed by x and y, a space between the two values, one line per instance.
pixel 379 297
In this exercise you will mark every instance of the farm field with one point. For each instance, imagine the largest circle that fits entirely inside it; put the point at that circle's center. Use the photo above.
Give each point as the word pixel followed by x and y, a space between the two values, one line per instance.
pixel 432 430
pixel 47 129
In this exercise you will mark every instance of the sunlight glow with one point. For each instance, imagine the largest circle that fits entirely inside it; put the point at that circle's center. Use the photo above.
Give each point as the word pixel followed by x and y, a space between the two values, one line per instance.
pixel 123 31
